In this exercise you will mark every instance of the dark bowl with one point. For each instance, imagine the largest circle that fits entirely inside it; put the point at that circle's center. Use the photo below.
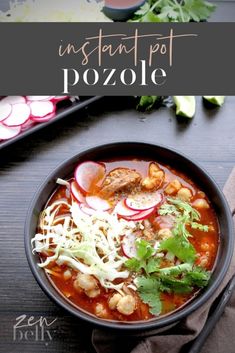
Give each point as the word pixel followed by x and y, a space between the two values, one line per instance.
pixel 166 156
pixel 120 13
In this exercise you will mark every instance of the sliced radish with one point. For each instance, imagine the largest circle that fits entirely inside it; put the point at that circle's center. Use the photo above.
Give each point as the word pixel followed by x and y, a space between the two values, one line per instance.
pixel 97 203
pixel 14 99
pixel 86 209
pixel 89 174
pixel 41 109
pixel 8 132
pixel 59 98
pixel 5 110
pixel 128 245
pixel 122 210
pixel 76 192
pixel 43 119
pixel 143 201
pixel 141 215
pixel 39 98
pixel 19 115
pixel 28 124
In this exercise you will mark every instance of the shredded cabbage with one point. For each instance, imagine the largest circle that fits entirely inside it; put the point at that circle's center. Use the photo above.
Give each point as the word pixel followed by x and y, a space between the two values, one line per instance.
pixel 54 11
pixel 89 244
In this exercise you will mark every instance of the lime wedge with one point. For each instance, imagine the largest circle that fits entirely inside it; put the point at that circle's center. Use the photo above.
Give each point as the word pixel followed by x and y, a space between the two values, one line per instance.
pixel 185 105
pixel 217 100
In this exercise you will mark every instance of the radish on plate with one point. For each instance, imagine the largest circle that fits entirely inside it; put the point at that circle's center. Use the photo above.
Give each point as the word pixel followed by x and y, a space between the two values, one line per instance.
pixel 14 99
pixel 143 201
pixel 97 203
pixel 43 119
pixel 41 109
pixel 128 245
pixel 19 115
pixel 5 110
pixel 141 215
pixel 76 192
pixel 89 174
pixel 39 98
pixel 9 132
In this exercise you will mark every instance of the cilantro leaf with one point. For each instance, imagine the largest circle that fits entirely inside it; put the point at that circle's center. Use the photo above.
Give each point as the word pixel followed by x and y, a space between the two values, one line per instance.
pixel 174 11
pixel 202 227
pixel 181 248
pixel 133 264
pixel 154 302
pixel 147 102
pixel 144 249
pixel 148 289
pixel 153 265
pixel 198 277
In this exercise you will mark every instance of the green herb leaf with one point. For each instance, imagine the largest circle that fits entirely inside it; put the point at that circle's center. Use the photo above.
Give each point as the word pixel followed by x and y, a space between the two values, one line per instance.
pixel 148 289
pixel 144 249
pixel 147 102
pixel 181 248
pixel 202 227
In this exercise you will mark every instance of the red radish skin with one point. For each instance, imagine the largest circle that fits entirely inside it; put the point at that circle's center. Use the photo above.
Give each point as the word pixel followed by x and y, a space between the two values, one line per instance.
pixel 7 133
pixel 39 98
pixel 14 99
pixel 59 98
pixel 128 245
pixel 97 203
pixel 5 110
pixel 141 215
pixel 27 125
pixel 76 192
pixel 143 201
pixel 88 174
pixel 124 211
pixel 41 109
pixel 43 119
pixel 20 114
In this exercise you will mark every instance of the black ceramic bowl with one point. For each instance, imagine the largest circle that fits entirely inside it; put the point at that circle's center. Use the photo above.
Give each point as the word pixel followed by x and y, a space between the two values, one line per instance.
pixel 161 154
pixel 122 13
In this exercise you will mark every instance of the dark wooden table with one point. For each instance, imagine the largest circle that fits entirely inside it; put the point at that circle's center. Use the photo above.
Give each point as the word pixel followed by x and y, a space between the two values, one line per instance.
pixel 209 138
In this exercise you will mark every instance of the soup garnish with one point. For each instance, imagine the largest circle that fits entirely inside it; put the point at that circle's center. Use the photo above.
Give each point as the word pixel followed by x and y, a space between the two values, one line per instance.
pixel 127 240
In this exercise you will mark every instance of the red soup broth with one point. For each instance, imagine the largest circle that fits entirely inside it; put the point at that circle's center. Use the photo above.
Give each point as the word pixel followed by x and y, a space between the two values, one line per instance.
pixel 206 245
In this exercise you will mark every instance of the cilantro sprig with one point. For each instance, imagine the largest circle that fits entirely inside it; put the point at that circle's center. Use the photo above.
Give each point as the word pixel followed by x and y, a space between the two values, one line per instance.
pixel 174 11
pixel 186 217
pixel 152 278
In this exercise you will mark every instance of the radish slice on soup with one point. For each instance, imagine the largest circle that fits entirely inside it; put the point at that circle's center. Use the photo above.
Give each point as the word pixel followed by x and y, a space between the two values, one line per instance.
pixel 76 192
pixel 143 201
pixel 124 211
pixel 141 215
pixel 86 209
pixel 128 245
pixel 97 203
pixel 88 175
